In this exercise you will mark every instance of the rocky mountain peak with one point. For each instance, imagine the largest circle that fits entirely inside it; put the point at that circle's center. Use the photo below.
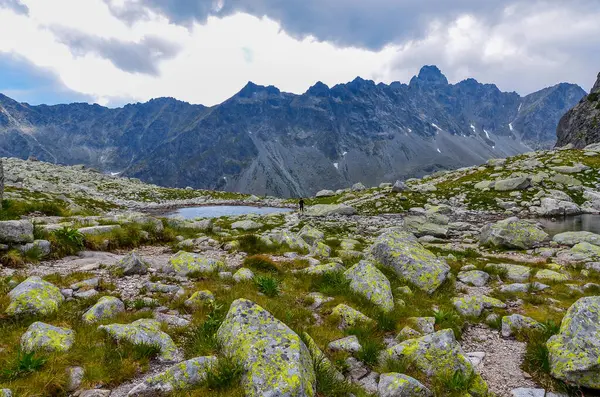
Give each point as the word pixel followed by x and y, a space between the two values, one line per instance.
pixel 320 89
pixel 596 87
pixel 430 74
pixel 251 89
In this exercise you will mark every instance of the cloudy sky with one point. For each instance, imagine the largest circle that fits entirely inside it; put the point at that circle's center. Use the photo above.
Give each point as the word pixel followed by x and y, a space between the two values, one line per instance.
pixel 204 51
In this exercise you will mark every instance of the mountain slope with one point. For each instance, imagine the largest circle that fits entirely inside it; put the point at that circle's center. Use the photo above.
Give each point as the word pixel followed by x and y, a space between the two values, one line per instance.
pixel 265 141
pixel 580 126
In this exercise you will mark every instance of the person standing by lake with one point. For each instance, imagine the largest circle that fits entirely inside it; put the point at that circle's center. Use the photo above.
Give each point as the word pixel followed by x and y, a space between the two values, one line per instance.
pixel 301 204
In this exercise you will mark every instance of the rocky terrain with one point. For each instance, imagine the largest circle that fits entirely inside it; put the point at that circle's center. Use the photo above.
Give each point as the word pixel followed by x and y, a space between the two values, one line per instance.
pixel 580 126
pixel 447 285
pixel 268 142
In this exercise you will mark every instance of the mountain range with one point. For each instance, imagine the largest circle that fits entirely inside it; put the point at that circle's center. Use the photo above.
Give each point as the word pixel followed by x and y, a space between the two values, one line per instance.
pixel 265 141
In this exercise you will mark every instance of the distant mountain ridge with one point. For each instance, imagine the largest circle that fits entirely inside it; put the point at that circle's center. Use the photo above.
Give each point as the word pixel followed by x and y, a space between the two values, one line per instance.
pixel 265 141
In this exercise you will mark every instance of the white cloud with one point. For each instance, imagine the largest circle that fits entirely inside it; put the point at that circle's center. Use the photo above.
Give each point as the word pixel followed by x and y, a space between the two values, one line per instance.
pixel 525 47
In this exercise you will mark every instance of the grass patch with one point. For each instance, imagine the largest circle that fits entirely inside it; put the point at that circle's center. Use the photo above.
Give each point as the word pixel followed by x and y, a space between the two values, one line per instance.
pixel 261 263
pixel 24 364
pixel 66 242
pixel 225 374
pixel 267 285
pixel 13 259
pixel 13 209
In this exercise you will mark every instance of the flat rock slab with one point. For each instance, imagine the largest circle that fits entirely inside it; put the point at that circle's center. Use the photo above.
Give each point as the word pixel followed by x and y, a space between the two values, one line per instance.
pixel 48 338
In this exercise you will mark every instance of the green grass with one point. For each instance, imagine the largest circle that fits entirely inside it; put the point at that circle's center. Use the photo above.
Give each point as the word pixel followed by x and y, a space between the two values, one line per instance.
pixel 261 263
pixel 15 209
pixel 225 374
pixel 267 285
pixel 66 241
pixel 24 364
pixel 13 259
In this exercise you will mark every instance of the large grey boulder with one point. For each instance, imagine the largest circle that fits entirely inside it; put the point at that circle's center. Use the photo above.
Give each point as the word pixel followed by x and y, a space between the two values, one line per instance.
pixel 401 252
pixel 399 187
pixel 436 354
pixel 512 233
pixel 473 305
pixel 45 337
pixel 553 207
pixel 97 230
pixel 290 239
pixel 44 247
pixel 146 332
pixel 476 278
pixel 16 232
pixel 106 307
pixel 325 193
pixel 276 361
pixel 422 226
pixel 370 282
pixel 573 238
pixel 184 263
pixel 311 235
pixel 133 263
pixel 518 183
pixel 246 224
pixel 179 377
pixel 399 385
pixel 357 187
pixel 516 322
pixel 34 296
pixel 330 209
pixel 575 352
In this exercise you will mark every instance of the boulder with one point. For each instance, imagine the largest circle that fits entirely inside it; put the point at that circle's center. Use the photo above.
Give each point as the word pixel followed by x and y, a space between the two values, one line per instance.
pixel 575 352
pixel 320 249
pixel 518 183
pixel 473 306
pixel 349 317
pixel 311 235
pixel 512 272
pixel 179 377
pixel 184 263
pixel 357 187
pixel 147 332
pixel 133 264
pixel 247 224
pixel 512 233
pixel 106 307
pixel 399 187
pixel 97 230
pixel 551 275
pixel 290 239
pixel 566 180
pixel 516 322
pixel 401 252
pixel 322 269
pixel 48 338
pixel 44 247
pixel 421 226
pixel 572 238
pixel 276 360
pixel 74 378
pixel 16 232
pixel 199 298
pixel 330 209
pixel 476 278
pixel 243 274
pixel 399 385
pixel 348 344
pixel 436 355
pixel 34 296
pixel 370 282
pixel 325 193
pixel 424 325
pixel 553 207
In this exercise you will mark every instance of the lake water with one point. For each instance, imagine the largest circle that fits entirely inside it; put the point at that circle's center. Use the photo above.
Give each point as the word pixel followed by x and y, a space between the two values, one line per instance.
pixel 216 211
pixel 586 222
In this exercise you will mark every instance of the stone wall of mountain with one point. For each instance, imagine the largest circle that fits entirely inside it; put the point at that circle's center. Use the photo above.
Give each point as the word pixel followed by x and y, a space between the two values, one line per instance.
pixel 265 141
pixel 580 126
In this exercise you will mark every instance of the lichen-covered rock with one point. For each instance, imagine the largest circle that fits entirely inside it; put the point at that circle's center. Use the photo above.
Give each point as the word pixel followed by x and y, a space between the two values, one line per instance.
pixel 476 278
pixel 437 354
pixel 422 226
pixel 147 332
pixel 575 352
pixel 290 239
pixel 34 296
pixel 5 392
pixel 551 275
pixel 97 230
pixel 512 272
pixel 133 264
pixel 518 183
pixel 319 358
pixel 184 263
pixel 179 377
pixel 106 307
pixel 424 325
pixel 43 246
pixel 200 298
pixel 515 323
pixel 247 224
pixel 552 207
pixel 325 193
pixel 473 305
pixel 74 378
pixel 399 187
pixel 243 274
pixel 45 337
pixel 572 238
pixel 349 317
pixel 399 385
pixel 400 251
pixel 370 282
pixel 586 249
pixel 322 269
pixel 276 361
pixel 330 209
pixel 512 233
pixel 321 249
pixel 16 232
pixel 311 235
pixel 348 344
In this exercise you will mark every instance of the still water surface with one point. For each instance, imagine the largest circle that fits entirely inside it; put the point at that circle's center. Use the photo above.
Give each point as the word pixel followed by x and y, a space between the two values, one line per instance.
pixel 216 211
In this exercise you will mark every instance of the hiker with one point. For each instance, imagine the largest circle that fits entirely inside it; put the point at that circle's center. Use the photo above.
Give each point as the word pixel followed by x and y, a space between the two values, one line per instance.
pixel 301 203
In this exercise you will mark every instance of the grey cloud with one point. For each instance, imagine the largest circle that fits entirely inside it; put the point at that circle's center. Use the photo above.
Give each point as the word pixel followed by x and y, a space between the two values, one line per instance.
pixel 370 24
pixel 136 57
pixel 15 5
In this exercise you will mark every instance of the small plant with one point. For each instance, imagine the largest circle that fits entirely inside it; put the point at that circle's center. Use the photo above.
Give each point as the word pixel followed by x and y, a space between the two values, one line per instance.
pixel 226 373
pixel 267 285
pixel 458 381
pixel 329 383
pixel 449 319
pixel 202 339
pixel 261 263
pixel 253 245
pixel 33 255
pixel 67 241
pixel 334 283
pixel 23 365
pixel 13 259
pixel 369 353
pixel 143 351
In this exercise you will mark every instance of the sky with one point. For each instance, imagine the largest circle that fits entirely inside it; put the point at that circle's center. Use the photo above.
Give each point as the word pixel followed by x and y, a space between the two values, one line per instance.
pixel 114 52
